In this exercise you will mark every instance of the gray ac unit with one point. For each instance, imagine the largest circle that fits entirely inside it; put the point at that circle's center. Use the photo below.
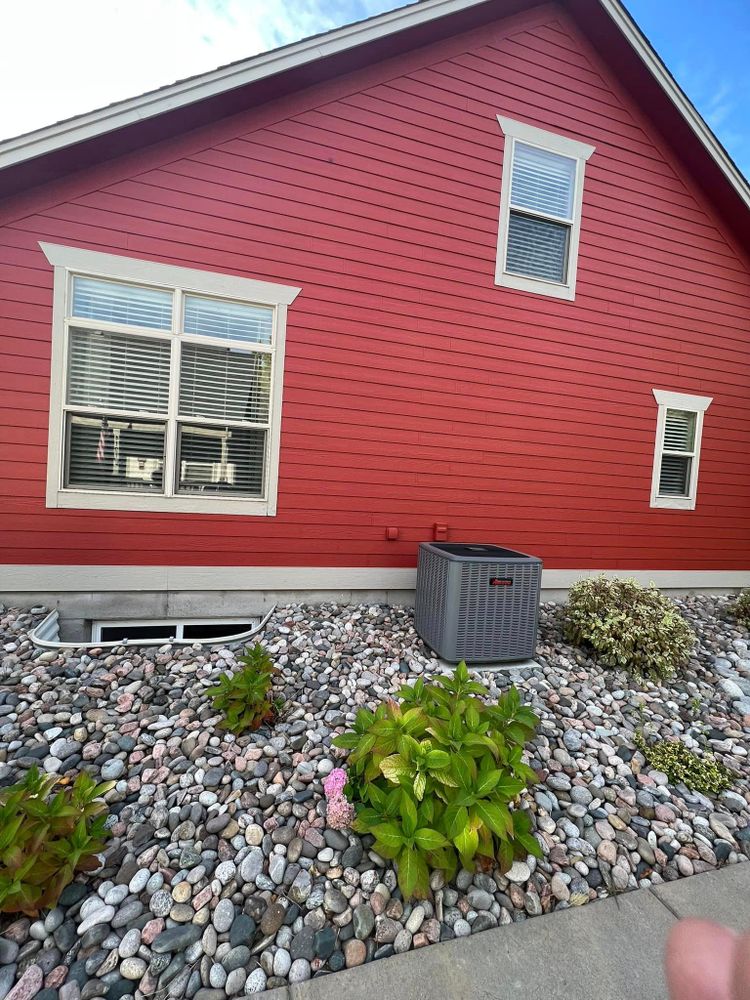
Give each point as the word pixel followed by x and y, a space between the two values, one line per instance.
pixel 477 602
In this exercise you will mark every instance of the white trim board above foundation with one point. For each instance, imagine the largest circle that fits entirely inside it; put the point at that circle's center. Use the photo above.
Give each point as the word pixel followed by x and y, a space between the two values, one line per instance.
pixel 77 579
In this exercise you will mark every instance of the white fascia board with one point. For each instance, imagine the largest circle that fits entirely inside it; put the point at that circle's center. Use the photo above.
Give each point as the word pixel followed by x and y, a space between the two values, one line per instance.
pixel 186 92
pixel 219 81
pixel 86 579
pixel 666 81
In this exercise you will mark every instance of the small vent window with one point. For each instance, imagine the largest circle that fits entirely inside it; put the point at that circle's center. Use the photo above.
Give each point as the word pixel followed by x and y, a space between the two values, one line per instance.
pixel 678 437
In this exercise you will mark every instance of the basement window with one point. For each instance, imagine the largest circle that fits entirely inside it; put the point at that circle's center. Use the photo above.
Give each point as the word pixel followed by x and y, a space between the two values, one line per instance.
pixel 151 631
pixel 540 210
pixel 166 387
pixel 679 428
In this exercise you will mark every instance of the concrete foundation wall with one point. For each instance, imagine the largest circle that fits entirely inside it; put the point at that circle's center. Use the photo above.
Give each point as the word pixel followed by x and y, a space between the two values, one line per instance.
pixel 78 609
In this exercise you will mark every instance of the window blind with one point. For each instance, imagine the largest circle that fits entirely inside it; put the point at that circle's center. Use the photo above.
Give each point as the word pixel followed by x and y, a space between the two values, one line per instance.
pixel 228 320
pixel 107 453
pixel 223 384
pixel 227 460
pixel 114 302
pixel 536 247
pixel 543 181
pixel 118 372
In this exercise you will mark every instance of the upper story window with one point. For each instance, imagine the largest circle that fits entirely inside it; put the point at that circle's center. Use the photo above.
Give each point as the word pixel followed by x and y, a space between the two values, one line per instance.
pixel 166 386
pixel 540 210
pixel 679 427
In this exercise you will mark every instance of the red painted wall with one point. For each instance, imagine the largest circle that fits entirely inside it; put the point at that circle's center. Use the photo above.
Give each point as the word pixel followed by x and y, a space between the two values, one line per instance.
pixel 416 390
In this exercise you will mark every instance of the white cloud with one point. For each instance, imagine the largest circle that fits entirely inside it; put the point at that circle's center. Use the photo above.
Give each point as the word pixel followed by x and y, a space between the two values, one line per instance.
pixel 60 58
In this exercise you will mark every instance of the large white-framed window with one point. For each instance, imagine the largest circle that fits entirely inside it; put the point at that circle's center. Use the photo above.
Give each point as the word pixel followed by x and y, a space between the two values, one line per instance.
pixel 540 210
pixel 166 386
pixel 679 428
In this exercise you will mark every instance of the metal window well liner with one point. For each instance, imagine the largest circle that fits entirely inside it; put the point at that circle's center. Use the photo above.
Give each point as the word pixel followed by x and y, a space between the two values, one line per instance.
pixel 46 635
pixel 477 602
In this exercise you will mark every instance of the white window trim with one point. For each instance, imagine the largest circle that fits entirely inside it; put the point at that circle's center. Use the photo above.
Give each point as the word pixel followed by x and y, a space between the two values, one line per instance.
pixel 74 260
pixel 551 142
pixel 677 401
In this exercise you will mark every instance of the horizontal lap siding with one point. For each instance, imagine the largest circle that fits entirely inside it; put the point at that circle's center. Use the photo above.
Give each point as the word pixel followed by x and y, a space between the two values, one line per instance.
pixel 416 390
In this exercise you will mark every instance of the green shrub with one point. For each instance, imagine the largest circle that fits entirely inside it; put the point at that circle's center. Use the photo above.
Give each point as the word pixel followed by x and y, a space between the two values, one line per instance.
pixel 244 697
pixel 680 764
pixel 741 608
pixel 628 625
pixel 44 841
pixel 432 779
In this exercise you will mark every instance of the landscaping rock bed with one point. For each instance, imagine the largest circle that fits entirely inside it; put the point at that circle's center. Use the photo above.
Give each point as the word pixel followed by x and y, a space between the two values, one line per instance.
pixel 221 878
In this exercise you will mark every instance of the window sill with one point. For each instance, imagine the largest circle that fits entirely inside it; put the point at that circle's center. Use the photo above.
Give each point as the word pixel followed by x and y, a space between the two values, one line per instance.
pixel 673 503
pixel 538 286
pixel 75 500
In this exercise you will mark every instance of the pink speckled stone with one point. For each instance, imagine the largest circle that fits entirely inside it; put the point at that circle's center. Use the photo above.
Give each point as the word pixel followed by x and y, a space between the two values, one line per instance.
pixel 28 985
pixel 152 930
pixel 57 977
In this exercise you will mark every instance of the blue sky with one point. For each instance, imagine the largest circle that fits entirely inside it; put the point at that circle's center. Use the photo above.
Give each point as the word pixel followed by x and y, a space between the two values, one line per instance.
pixel 60 58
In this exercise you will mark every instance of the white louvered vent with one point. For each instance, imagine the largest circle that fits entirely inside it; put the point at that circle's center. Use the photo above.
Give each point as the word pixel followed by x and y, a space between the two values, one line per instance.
pixel 678 438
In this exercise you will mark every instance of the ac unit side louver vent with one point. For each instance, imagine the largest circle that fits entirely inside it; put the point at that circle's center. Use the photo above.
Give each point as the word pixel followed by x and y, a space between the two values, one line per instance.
pixel 477 602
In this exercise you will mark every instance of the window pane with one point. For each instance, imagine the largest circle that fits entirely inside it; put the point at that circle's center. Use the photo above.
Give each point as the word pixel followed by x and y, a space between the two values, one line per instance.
pixel 115 633
pixel 679 430
pixel 113 302
pixel 537 248
pixel 228 320
pixel 104 453
pixel 674 479
pixel 224 384
pixel 220 460
pixel 543 181
pixel 114 371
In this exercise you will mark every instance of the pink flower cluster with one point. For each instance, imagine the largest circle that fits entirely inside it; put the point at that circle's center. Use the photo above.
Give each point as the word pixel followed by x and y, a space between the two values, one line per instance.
pixel 339 811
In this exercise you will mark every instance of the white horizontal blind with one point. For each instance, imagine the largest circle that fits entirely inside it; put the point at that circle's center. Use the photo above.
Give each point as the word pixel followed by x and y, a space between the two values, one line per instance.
pixel 678 453
pixel 540 217
pixel 225 460
pixel 115 371
pixel 224 384
pixel 128 305
pixel 543 181
pixel 110 453
pixel 228 320
pixel 536 247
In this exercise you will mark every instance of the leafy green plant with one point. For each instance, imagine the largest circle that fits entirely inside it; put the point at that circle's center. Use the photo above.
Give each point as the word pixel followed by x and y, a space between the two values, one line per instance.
pixel 680 764
pixel 44 841
pixel 628 625
pixel 741 608
pixel 244 697
pixel 432 778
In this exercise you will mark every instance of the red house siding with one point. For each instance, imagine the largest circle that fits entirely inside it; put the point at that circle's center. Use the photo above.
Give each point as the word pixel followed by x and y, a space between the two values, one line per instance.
pixel 416 391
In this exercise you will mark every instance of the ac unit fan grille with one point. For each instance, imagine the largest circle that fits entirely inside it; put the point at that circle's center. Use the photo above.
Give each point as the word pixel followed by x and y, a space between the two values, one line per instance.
pixel 497 622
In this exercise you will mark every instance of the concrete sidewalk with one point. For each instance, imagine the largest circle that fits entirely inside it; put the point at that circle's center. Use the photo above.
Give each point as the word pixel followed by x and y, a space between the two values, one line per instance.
pixel 608 950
